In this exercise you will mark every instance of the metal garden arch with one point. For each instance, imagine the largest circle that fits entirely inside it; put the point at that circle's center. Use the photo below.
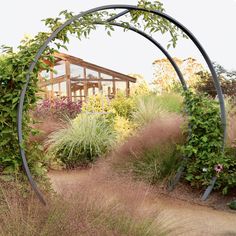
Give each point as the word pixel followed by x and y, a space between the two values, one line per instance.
pixel 127 9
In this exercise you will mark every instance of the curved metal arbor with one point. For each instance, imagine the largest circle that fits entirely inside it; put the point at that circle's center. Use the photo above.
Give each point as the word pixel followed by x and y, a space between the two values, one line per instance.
pixel 127 8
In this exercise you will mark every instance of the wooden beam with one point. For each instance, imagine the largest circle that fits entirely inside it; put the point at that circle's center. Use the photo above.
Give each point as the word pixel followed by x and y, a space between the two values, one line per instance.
pixel 108 71
pixel 66 57
pixel 78 79
pixel 79 86
pixel 56 80
pixel 88 65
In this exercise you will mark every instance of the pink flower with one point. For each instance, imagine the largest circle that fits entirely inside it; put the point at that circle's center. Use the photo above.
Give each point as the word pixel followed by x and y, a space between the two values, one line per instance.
pixel 218 168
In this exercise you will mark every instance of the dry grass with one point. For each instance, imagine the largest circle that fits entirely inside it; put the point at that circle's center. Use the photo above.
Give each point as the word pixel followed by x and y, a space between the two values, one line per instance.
pixel 125 208
pixel 160 131
pixel 45 127
pixel 87 212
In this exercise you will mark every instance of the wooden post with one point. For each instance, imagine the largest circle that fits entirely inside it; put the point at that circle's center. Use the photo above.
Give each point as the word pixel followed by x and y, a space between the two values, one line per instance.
pixel 94 89
pixel 127 89
pixel 68 81
pixel 99 82
pixel 114 86
pixel 85 84
pixel 59 90
pixel 109 91
pixel 51 80
pixel 80 94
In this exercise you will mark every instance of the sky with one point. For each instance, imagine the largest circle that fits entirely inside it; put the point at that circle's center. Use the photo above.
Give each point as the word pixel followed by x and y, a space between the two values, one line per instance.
pixel 211 21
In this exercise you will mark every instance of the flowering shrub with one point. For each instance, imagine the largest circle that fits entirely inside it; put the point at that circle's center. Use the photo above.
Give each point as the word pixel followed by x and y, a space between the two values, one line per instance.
pixel 60 108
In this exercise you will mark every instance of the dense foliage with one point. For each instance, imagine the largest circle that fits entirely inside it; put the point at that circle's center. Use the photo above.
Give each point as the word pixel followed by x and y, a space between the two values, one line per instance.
pixel 99 104
pixel 203 150
pixel 13 69
pixel 123 105
pixel 58 108
pixel 227 79
pixel 123 127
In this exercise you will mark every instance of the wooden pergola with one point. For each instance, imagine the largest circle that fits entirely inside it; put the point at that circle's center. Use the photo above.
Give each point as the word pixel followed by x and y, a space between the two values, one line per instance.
pixel 77 79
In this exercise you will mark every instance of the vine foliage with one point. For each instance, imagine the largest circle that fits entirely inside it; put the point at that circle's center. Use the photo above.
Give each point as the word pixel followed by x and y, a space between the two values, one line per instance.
pixel 203 149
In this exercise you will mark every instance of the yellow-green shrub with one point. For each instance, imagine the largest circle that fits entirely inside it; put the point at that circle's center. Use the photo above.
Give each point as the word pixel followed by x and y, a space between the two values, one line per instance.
pixel 123 106
pixel 97 104
pixel 123 127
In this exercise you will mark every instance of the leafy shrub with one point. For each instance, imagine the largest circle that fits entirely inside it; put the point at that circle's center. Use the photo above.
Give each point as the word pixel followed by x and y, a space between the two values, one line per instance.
pixel 123 127
pixel 206 85
pixel 156 164
pixel 147 110
pixel 86 138
pixel 100 105
pixel 203 149
pixel 58 108
pixel 97 104
pixel 12 79
pixel 38 164
pixel 123 106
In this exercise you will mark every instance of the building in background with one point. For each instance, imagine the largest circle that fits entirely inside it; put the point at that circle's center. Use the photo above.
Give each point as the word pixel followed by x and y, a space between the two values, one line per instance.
pixel 76 79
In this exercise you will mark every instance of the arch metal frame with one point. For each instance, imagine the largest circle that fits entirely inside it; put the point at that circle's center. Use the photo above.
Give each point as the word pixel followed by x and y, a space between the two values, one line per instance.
pixel 126 9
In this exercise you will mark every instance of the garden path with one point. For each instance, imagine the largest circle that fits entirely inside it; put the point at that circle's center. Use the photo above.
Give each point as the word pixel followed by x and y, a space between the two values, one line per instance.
pixel 188 218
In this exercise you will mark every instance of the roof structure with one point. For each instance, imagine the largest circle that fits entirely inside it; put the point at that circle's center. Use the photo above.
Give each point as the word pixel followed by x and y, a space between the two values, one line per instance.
pixel 77 79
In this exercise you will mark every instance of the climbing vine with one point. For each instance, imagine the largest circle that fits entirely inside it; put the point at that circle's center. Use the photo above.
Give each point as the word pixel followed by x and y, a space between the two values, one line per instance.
pixel 203 149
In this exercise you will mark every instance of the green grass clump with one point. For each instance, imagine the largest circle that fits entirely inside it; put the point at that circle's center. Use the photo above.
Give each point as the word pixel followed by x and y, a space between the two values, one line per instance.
pixel 156 164
pixel 86 138
pixel 147 110
pixel 170 102
pixel 152 106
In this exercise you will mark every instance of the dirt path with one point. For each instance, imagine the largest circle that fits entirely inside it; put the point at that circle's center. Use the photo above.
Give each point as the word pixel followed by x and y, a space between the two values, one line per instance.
pixel 190 219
